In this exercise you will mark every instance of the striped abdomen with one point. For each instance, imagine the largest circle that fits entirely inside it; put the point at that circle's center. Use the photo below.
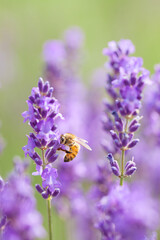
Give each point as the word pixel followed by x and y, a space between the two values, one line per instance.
pixel 73 151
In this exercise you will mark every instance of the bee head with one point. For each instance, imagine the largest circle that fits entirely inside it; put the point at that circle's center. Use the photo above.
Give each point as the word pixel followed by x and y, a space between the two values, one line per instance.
pixel 62 139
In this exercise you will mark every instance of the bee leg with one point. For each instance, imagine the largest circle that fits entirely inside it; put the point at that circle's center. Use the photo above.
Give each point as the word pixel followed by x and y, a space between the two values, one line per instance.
pixel 66 151
pixel 60 149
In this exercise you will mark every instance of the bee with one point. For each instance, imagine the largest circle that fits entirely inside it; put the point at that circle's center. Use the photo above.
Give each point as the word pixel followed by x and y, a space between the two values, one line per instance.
pixel 73 143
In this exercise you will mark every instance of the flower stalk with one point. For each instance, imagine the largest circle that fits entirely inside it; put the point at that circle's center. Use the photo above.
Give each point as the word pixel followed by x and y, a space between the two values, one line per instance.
pixel 50 217
pixel 49 207
pixel 123 155
pixel 122 167
pixel 126 79
pixel 43 109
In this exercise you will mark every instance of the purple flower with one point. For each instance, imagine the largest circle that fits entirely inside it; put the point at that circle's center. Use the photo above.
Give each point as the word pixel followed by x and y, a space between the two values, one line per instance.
pixel 49 181
pixel 42 114
pixel 29 148
pixel 54 52
pixel 152 106
pixel 119 213
pixel 73 38
pixel 20 219
pixel 125 81
pixel 114 165
pixel 121 49
pixel 130 168
pixel 29 115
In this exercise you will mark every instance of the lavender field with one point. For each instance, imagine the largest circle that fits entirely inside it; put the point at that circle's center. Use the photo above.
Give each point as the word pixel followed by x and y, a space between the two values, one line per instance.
pixel 80 120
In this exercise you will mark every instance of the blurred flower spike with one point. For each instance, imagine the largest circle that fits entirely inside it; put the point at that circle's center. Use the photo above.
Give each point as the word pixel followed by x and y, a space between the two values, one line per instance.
pixel 19 218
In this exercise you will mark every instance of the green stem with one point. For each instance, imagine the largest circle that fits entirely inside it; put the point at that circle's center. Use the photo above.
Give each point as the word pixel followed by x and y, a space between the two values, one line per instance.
pixel 49 218
pixel 43 158
pixel 126 127
pixel 48 201
pixel 122 167
pixel 123 156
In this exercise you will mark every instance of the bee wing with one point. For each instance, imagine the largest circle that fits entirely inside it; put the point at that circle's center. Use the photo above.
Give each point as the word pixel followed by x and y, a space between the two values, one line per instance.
pixel 82 142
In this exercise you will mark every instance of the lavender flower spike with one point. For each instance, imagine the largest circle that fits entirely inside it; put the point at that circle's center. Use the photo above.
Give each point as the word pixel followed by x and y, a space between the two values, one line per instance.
pixel 126 79
pixel 42 114
pixel 43 110
pixel 18 214
pixel 118 214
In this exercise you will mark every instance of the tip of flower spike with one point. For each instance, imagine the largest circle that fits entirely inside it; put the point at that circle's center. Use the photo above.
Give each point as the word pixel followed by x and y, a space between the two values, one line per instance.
pixel 40 84
pixel 46 87
pixel 114 165
pixel 110 156
pixel 74 38
pixel 126 46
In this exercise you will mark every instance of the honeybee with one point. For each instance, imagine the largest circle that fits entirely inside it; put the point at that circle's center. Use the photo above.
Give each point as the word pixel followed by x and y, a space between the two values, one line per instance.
pixel 73 143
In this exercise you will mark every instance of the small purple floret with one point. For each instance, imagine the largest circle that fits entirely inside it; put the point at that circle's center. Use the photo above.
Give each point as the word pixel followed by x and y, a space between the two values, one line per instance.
pixel 114 165
pixel 132 143
pixel 130 168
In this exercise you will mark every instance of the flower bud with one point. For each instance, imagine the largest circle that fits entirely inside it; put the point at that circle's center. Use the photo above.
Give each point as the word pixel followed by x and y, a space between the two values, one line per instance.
pixel 124 139
pixel 133 80
pixel 118 104
pixel 133 122
pixel 108 106
pixel 133 143
pixel 114 135
pixel 31 98
pixel 44 142
pixel 38 161
pixel 39 188
pixel 135 113
pixel 40 84
pixel 114 165
pixel 119 126
pixel 46 87
pixel 50 153
pixel 117 143
pixel 122 112
pixel 51 143
pixel 45 194
pixel 115 170
pixel 52 115
pixel 130 168
pixel 115 114
pixel 134 126
pixel 49 94
pixel 110 157
pixel 56 192
pixel 52 158
pixel 44 113
pixel 126 82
